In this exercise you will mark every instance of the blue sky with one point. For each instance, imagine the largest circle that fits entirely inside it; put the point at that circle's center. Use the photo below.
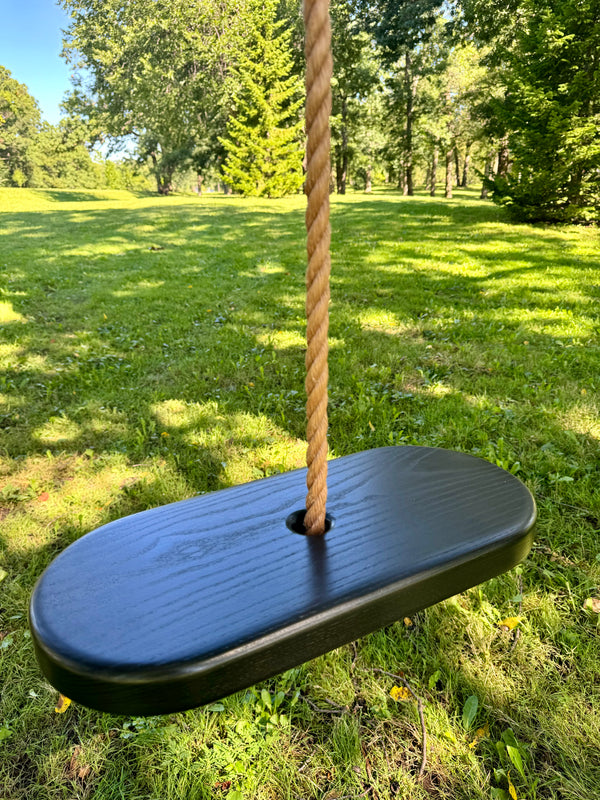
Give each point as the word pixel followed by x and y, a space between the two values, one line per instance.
pixel 30 43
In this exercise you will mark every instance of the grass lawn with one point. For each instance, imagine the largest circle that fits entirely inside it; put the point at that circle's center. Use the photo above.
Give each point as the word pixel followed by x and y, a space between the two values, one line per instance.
pixel 152 349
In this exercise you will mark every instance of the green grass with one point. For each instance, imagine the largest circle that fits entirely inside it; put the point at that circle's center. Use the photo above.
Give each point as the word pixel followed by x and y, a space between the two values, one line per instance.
pixel 153 348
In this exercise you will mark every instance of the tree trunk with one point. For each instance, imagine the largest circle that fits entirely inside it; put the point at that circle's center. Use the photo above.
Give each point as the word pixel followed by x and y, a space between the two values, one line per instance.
pixel 368 183
pixel 457 167
pixel 402 178
pixel 434 166
pixel 427 178
pixel 344 145
pixel 503 158
pixel 408 80
pixel 199 180
pixel 155 170
pixel 465 176
pixel 341 152
pixel 488 171
pixel 449 160
pixel 166 183
pixel 164 176
pixel 575 195
pixel 339 180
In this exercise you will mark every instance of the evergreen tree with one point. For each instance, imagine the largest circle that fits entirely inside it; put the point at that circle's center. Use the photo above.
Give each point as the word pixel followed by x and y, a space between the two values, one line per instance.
pixel 263 141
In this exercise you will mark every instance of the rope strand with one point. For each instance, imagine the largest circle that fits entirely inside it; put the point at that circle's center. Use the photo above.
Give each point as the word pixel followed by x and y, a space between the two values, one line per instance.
pixel 319 67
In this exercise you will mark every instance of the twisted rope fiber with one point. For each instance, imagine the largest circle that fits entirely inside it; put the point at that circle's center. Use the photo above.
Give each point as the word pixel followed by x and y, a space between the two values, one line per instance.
pixel 319 67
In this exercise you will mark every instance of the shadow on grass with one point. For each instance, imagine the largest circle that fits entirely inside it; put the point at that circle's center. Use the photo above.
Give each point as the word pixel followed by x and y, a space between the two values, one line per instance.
pixel 128 308
pixel 92 196
pixel 173 334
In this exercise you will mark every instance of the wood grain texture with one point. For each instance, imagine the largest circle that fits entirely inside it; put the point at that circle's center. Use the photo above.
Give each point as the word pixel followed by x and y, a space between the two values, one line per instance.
pixel 182 604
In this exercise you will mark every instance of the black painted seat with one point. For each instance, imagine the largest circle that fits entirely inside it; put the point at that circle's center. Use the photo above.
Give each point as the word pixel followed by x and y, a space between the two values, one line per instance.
pixel 180 605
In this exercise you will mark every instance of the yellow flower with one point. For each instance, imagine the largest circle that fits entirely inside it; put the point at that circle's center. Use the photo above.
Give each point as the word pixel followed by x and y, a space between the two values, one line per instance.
pixel 480 734
pixel 63 704
pixel 399 693
pixel 509 623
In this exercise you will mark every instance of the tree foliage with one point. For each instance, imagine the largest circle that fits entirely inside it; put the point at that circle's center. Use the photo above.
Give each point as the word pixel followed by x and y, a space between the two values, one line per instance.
pixel 355 76
pixel 544 110
pixel 155 70
pixel 59 157
pixel 551 110
pixel 402 29
pixel 19 120
pixel 263 140
pixel 401 25
pixel 506 89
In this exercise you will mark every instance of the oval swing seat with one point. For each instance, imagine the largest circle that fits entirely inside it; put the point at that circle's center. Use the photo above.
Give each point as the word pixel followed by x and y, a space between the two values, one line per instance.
pixel 183 604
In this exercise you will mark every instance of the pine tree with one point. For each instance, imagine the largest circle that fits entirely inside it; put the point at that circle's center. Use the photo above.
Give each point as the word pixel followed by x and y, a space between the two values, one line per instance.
pixel 263 140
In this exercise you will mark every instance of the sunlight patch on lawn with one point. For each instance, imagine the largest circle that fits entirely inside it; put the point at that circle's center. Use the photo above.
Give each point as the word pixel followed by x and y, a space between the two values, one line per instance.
pixel 439 390
pixel 270 268
pixel 10 351
pixel 177 414
pixel 58 430
pixel 243 446
pixel 53 493
pixel 12 401
pixel 38 363
pixel 282 340
pixel 136 288
pixel 583 419
pixel 380 320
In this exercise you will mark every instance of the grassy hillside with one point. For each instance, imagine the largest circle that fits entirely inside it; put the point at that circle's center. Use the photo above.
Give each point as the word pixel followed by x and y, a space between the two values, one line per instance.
pixel 152 348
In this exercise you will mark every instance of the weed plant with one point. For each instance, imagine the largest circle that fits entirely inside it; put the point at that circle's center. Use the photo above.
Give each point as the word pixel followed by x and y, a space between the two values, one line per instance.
pixel 153 348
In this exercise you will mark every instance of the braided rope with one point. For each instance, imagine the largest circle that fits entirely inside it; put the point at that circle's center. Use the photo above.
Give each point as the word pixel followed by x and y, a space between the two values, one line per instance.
pixel 319 68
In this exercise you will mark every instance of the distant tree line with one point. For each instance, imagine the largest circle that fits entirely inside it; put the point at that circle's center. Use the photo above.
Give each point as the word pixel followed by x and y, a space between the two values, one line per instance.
pixel 35 153
pixel 425 94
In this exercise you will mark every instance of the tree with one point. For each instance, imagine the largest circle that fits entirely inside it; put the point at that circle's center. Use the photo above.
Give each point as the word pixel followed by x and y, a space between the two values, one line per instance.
pixel 459 87
pixel 401 29
pixel 368 137
pixel 19 121
pixel 354 76
pixel 552 110
pixel 154 70
pixel 263 141
pixel 60 158
pixel 546 118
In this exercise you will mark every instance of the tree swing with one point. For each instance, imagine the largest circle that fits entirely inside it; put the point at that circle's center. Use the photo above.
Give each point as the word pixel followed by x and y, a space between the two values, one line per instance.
pixel 183 604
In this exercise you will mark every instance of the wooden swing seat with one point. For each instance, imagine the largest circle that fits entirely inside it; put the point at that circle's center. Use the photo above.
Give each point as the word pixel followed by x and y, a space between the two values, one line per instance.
pixel 180 605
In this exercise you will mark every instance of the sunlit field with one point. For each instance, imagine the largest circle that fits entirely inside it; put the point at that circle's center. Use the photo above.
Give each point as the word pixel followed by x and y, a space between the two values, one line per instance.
pixel 153 348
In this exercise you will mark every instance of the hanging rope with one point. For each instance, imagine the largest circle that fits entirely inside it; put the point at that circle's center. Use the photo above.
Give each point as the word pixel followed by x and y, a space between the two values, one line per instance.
pixel 319 68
